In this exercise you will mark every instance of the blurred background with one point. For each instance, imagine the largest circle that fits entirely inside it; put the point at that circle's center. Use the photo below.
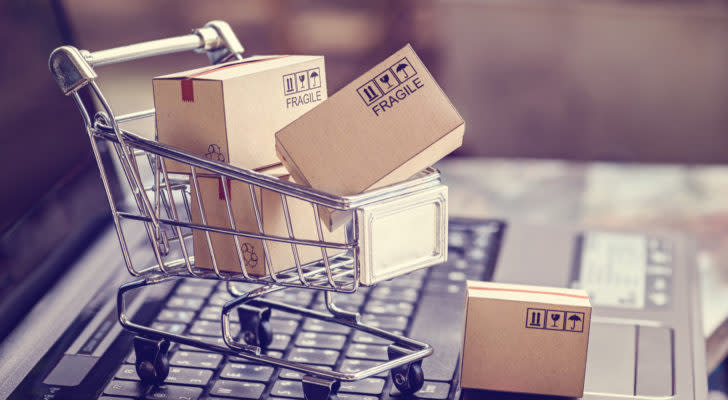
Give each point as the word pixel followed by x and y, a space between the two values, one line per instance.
pixel 629 81
pixel 625 81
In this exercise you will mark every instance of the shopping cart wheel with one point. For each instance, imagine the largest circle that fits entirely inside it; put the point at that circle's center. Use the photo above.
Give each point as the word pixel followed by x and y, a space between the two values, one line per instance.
pixel 408 378
pixel 152 364
pixel 319 388
pixel 255 328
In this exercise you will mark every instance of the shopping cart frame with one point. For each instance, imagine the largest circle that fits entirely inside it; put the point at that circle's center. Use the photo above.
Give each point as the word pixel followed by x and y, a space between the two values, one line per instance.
pixel 74 70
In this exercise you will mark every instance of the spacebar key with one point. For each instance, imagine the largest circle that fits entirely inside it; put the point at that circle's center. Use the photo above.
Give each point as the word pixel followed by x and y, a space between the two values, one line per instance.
pixel 439 323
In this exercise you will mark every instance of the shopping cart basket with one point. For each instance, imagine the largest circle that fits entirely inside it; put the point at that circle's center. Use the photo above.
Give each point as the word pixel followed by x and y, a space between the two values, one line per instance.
pixel 391 230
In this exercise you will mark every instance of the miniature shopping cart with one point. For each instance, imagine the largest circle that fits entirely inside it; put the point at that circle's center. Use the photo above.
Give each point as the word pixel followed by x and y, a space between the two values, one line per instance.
pixel 390 231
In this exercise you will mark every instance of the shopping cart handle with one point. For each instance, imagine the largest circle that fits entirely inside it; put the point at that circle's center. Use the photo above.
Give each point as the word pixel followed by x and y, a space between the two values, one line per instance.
pixel 73 68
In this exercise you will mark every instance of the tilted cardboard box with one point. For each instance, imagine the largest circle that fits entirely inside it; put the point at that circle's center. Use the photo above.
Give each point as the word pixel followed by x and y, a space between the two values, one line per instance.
pixel 230 112
pixel 525 339
pixel 380 129
pixel 273 220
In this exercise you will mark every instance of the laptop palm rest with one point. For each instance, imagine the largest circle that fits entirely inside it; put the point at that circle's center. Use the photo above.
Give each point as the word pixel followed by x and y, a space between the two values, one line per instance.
pixel 625 359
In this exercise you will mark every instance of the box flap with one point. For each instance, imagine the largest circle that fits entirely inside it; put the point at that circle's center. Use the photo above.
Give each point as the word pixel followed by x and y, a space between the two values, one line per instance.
pixel 528 293
pixel 232 69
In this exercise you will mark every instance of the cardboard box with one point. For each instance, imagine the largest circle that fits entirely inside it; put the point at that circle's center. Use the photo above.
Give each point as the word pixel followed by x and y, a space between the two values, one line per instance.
pixel 380 129
pixel 525 339
pixel 230 112
pixel 269 203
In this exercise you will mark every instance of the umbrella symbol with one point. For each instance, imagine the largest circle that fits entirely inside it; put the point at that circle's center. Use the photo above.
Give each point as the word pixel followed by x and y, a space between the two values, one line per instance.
pixel 313 76
pixel 574 319
pixel 403 67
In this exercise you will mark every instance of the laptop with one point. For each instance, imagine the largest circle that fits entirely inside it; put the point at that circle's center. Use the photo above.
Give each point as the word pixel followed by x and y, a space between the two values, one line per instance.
pixel 62 339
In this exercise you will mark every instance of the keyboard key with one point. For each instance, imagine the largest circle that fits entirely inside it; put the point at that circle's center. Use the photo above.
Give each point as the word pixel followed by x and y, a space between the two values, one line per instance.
pixel 286 388
pixel 174 392
pixel 195 359
pixel 395 294
pixel 375 306
pixel 274 353
pixel 284 326
pixel 219 299
pixel 127 372
pixel 209 328
pixel 168 327
pixel 177 375
pixel 363 337
pixel 280 342
pixel 213 313
pixel 364 386
pixel 445 288
pixel 320 340
pixel 295 375
pixel 367 352
pixel 430 390
pixel 386 322
pixel 208 339
pixel 179 316
pixel 124 388
pixel 350 366
pixel 315 325
pixel 187 290
pixel 246 372
pixel 355 299
pixel 344 396
pixel 313 356
pixel 187 303
pixel 237 389
pixel 189 376
pixel 457 238
pixel 299 297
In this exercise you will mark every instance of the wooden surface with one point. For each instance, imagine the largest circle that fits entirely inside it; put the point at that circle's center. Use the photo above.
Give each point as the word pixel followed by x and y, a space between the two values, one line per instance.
pixel 691 199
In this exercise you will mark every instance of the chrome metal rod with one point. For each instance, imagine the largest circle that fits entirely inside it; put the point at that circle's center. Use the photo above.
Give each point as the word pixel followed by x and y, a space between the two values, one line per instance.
pixel 136 51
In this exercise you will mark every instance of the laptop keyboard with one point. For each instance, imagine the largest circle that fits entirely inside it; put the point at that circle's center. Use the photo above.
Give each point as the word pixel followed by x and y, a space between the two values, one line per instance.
pixel 408 304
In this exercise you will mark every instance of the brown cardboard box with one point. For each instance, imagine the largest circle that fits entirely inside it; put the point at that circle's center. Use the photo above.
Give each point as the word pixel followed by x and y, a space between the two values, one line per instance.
pixel 380 129
pixel 230 112
pixel 526 339
pixel 274 223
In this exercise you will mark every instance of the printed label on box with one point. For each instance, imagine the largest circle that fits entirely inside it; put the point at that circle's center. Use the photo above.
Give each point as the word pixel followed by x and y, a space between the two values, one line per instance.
pixel 555 320
pixel 295 84
pixel 391 86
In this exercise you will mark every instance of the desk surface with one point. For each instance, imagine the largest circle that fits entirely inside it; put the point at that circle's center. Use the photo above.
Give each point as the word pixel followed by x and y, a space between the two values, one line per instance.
pixel 691 199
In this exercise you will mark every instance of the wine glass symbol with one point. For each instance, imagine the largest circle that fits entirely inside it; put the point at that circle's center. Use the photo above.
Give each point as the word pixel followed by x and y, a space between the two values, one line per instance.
pixel 555 317
pixel 385 79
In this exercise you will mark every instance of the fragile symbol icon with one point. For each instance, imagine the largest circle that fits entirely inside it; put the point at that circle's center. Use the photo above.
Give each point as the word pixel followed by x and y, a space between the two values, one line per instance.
pixel 536 318
pixel 290 87
pixel 574 322
pixel 369 91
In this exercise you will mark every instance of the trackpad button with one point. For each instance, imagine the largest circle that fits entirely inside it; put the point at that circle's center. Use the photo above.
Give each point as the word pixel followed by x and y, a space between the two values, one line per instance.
pixel 654 361
pixel 610 361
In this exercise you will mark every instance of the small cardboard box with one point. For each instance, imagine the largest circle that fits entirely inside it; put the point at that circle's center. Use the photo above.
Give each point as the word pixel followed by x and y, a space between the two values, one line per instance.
pixel 525 339
pixel 230 112
pixel 380 129
pixel 273 219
